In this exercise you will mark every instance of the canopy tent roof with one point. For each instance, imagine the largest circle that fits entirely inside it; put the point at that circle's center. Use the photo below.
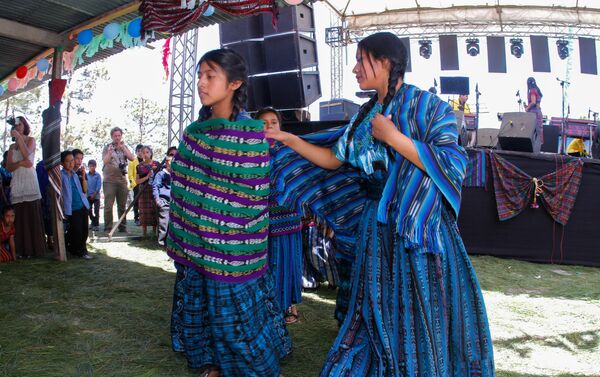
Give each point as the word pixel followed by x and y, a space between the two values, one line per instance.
pixel 430 18
pixel 30 29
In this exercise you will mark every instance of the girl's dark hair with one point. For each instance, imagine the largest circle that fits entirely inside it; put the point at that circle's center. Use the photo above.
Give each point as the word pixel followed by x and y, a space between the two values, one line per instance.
pixel 381 46
pixel 7 208
pixel 235 69
pixel 150 149
pixel 532 84
pixel 266 110
pixel 26 126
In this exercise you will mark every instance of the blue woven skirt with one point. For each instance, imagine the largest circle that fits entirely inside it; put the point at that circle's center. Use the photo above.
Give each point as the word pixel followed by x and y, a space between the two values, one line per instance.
pixel 285 266
pixel 412 314
pixel 237 328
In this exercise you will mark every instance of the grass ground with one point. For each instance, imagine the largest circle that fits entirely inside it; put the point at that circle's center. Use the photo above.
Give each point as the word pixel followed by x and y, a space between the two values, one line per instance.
pixel 110 317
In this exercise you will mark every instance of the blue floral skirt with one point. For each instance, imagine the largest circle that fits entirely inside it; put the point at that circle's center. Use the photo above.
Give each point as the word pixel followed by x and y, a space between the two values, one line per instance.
pixel 237 328
pixel 285 266
pixel 411 314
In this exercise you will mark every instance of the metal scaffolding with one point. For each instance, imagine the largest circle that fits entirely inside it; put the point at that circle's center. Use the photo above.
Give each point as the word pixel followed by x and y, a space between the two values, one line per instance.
pixel 183 84
pixel 334 37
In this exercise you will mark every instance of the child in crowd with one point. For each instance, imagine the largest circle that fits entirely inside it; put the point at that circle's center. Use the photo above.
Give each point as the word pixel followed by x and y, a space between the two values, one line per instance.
pixel 75 208
pixel 161 191
pixel 143 179
pixel 285 241
pixel 94 180
pixel 79 169
pixel 7 235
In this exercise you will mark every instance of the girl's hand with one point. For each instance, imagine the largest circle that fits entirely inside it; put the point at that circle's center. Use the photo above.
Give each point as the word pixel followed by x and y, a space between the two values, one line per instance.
pixel 383 128
pixel 26 163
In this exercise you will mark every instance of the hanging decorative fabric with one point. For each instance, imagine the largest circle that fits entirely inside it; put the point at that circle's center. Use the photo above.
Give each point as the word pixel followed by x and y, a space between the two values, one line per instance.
pixel 476 167
pixel 174 16
pixel 166 51
pixel 515 189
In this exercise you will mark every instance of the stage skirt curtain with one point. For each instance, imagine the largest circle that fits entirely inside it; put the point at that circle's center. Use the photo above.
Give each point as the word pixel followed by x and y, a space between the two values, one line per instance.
pixel 514 189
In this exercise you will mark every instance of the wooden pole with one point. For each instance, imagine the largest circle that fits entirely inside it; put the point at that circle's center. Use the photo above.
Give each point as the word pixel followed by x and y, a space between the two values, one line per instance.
pixel 57 224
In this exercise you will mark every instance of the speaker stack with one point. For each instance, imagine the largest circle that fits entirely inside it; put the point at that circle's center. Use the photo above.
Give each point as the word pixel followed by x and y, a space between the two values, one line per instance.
pixel 518 133
pixel 282 62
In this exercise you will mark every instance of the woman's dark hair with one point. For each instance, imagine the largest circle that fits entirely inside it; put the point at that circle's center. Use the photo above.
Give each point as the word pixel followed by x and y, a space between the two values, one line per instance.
pixel 7 208
pixel 76 152
pixel 235 69
pixel 26 126
pixel 64 155
pixel 171 149
pixel 532 84
pixel 381 46
pixel 266 110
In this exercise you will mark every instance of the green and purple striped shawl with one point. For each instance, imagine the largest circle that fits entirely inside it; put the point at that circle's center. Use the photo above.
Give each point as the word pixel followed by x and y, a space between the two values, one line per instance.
pixel 219 220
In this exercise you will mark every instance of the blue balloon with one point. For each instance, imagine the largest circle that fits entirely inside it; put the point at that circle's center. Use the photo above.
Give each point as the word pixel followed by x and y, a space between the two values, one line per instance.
pixel 85 36
pixel 210 10
pixel 135 28
pixel 1 90
pixel 43 65
pixel 111 31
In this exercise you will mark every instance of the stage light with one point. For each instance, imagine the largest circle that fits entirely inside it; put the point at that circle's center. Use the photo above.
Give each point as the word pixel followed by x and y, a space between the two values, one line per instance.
pixel 563 48
pixel 516 47
pixel 425 48
pixel 473 46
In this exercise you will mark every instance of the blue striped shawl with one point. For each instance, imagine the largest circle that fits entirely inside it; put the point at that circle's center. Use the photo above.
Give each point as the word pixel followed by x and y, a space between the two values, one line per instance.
pixel 412 199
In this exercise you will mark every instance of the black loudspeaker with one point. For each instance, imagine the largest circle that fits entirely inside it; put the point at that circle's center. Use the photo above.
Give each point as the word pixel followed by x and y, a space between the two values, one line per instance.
pixel 454 85
pixel 595 143
pixel 293 90
pixel 496 51
pixel 298 18
pixel 448 52
pixel 487 137
pixel 258 93
pixel 518 133
pixel 587 56
pixel 540 56
pixel 287 52
pixel 337 109
pixel 241 29
pixel 551 135
pixel 253 53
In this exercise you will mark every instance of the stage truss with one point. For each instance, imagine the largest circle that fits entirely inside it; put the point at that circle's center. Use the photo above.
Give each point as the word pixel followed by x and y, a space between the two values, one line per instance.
pixel 183 84
pixel 463 21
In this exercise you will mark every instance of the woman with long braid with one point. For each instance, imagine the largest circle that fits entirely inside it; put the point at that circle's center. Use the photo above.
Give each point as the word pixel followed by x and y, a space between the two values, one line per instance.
pixel 225 319
pixel 416 308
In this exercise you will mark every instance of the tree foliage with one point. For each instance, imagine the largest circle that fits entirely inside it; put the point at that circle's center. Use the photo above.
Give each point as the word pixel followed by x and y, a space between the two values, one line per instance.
pixel 148 123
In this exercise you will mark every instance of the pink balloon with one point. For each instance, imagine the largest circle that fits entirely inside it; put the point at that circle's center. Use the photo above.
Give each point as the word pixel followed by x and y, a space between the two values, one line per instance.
pixel 293 2
pixel 12 84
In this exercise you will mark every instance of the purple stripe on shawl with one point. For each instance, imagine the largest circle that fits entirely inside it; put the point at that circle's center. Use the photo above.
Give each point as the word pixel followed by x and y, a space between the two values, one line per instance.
pixel 218 216
pixel 207 190
pixel 260 159
pixel 251 182
pixel 226 279
pixel 174 217
pixel 215 254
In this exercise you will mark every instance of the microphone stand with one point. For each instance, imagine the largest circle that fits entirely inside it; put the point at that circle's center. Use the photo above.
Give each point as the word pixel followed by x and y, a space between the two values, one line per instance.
pixel 520 101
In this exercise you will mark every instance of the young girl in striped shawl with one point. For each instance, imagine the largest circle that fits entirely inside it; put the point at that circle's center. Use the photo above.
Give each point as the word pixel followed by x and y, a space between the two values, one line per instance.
pixel 225 319
pixel 416 308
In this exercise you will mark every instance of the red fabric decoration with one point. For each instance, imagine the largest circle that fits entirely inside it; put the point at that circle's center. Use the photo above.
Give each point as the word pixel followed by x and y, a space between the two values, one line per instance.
pixel 167 16
pixel 165 57
pixel 57 89
pixel 21 72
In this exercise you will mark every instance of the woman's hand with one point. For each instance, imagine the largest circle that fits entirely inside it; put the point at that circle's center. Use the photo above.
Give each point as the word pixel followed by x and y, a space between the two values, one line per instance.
pixel 276 134
pixel 14 133
pixel 383 128
pixel 26 163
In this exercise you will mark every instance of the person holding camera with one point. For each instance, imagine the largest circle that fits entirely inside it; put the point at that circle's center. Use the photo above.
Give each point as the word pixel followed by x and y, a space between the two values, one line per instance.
pixel 116 157
pixel 25 192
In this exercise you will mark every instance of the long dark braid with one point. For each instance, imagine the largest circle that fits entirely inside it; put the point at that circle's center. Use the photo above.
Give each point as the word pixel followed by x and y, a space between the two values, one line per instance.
pixel 235 69
pixel 381 46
